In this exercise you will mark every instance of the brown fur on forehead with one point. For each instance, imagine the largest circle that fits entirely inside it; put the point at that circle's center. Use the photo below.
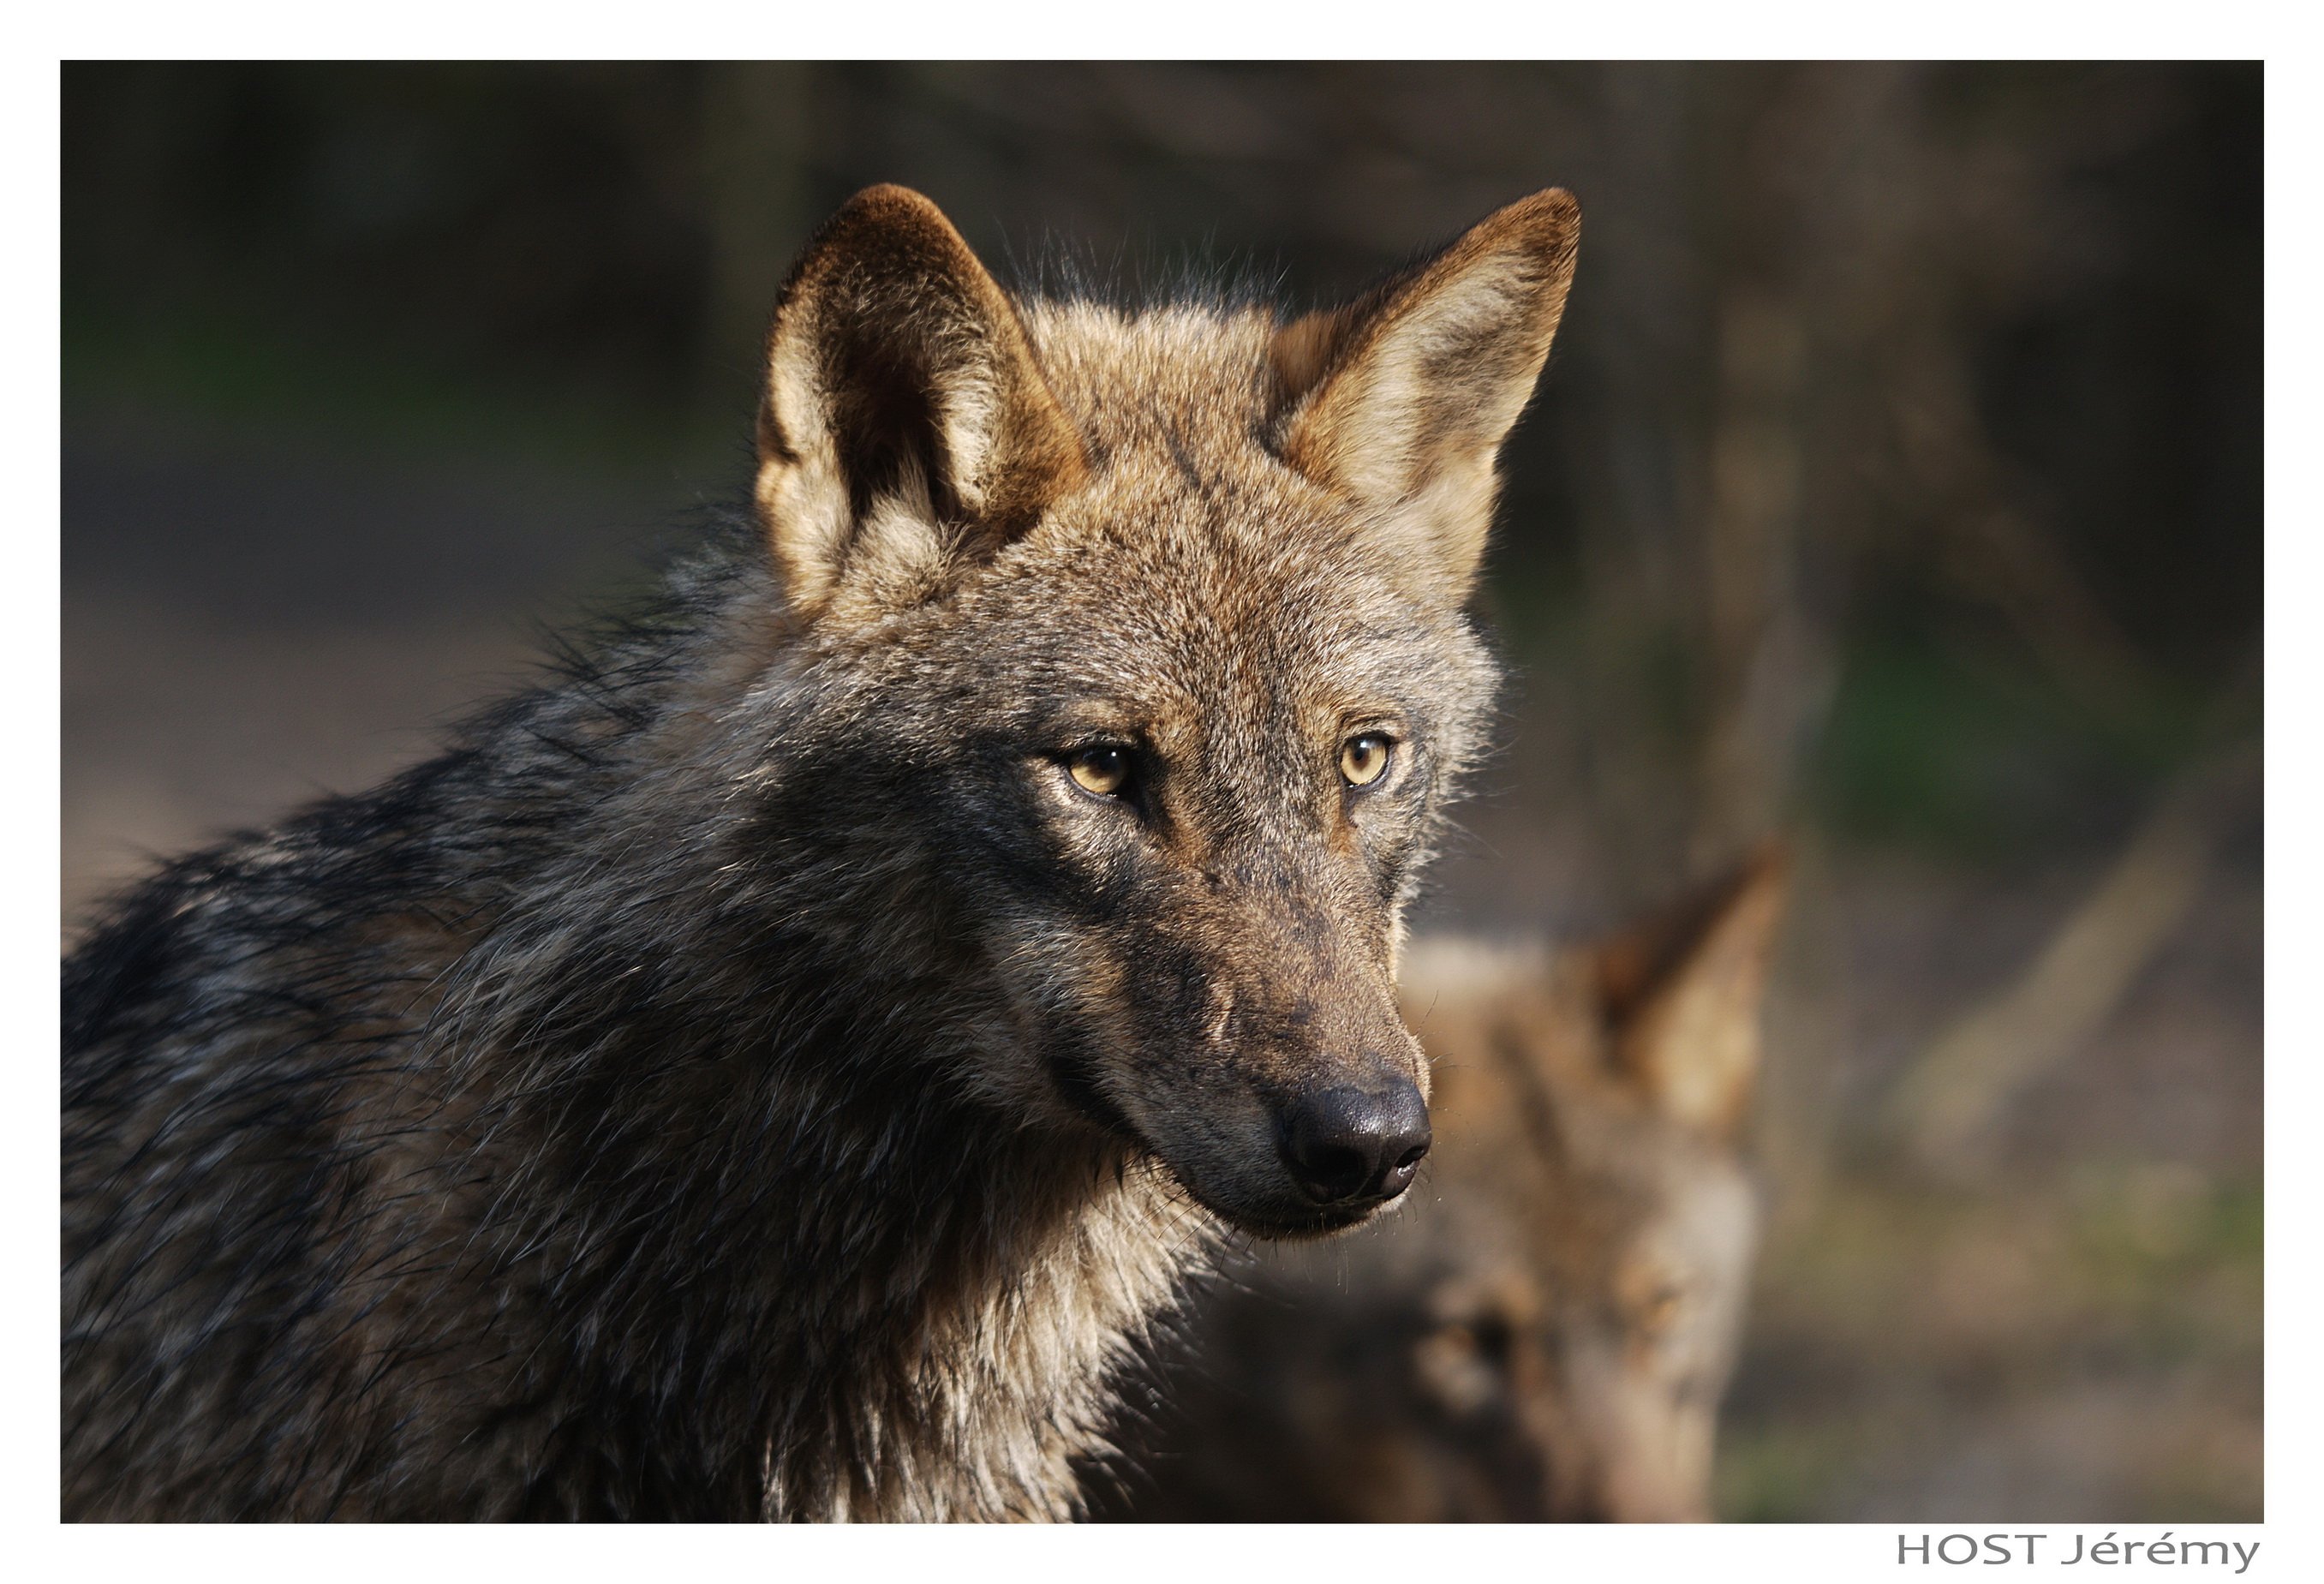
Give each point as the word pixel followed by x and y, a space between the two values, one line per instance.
pixel 1191 374
pixel 1251 600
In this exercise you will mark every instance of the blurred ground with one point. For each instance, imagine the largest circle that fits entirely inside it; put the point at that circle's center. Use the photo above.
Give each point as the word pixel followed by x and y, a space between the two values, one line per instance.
pixel 1888 489
pixel 247 625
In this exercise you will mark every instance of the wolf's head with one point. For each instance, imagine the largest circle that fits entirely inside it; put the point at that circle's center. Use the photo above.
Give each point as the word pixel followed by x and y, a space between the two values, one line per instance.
pixel 1139 637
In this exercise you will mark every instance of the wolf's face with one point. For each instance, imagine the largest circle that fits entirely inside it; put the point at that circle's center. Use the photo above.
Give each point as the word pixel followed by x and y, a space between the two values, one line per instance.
pixel 1204 777
pixel 1151 625
pixel 1574 1349
pixel 1590 1251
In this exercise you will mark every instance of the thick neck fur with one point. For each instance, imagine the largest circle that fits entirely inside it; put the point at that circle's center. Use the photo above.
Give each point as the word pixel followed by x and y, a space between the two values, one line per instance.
pixel 640 1164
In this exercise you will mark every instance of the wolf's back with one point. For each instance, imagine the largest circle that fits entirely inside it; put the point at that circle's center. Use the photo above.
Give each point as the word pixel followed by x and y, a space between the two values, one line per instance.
pixel 230 1031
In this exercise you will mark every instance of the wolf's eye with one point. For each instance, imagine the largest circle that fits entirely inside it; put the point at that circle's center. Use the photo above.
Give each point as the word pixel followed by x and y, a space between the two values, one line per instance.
pixel 1363 758
pixel 1102 771
pixel 1658 1311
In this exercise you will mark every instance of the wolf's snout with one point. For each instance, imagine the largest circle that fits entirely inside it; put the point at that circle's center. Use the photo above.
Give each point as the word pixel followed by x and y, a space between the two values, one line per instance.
pixel 1343 1144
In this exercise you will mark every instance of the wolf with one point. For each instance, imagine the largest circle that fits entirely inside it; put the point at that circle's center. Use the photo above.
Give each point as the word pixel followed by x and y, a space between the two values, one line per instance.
pixel 783 1064
pixel 1546 1334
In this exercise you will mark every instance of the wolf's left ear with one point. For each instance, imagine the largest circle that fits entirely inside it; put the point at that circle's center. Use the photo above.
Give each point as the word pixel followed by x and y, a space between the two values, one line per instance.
pixel 1680 996
pixel 1404 397
pixel 905 424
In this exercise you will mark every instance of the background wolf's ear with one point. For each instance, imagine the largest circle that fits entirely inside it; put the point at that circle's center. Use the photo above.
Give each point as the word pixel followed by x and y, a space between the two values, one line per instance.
pixel 1403 398
pixel 904 423
pixel 1681 996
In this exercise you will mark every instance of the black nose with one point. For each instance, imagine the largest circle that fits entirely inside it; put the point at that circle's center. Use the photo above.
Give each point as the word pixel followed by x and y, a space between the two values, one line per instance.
pixel 1344 1144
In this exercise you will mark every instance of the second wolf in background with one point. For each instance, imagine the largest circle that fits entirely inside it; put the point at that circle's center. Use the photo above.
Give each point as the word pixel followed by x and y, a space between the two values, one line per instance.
pixel 1547 1335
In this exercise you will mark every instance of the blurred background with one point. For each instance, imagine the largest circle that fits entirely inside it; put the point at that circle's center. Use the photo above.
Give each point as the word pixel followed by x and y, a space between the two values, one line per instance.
pixel 1895 485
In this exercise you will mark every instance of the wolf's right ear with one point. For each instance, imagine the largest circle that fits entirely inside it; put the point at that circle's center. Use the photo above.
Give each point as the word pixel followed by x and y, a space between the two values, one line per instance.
pixel 1403 398
pixel 905 425
pixel 1680 996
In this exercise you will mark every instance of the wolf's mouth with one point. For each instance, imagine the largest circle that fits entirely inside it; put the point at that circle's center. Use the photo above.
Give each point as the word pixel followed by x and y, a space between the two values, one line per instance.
pixel 1313 1222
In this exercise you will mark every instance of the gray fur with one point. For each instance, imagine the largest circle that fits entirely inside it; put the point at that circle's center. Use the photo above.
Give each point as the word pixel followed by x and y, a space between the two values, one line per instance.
pixel 742 1077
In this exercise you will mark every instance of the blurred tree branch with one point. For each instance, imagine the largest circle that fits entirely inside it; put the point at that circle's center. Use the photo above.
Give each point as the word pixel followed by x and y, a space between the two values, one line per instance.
pixel 1946 1105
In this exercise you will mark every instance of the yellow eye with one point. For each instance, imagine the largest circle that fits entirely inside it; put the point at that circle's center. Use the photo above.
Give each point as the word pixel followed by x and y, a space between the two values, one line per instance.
pixel 1363 759
pixel 1658 1311
pixel 1102 770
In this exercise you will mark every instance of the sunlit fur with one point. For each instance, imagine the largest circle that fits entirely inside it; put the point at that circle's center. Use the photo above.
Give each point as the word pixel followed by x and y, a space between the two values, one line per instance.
pixel 744 1075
